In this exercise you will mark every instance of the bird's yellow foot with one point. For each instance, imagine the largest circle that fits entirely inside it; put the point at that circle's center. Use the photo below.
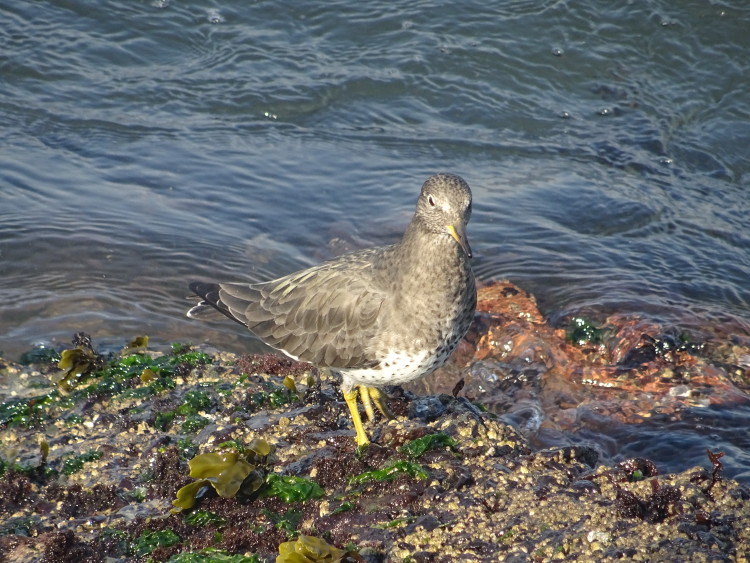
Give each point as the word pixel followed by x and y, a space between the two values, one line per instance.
pixel 378 397
pixel 351 401
pixel 368 396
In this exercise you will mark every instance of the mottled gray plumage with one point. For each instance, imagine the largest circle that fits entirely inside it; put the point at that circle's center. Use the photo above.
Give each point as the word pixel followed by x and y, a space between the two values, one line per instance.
pixel 380 316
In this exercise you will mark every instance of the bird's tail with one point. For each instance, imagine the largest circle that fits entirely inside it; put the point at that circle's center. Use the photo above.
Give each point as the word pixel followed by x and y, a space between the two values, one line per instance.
pixel 210 301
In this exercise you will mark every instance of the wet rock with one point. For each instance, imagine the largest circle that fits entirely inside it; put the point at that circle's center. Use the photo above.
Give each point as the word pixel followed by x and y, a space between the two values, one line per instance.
pixel 481 492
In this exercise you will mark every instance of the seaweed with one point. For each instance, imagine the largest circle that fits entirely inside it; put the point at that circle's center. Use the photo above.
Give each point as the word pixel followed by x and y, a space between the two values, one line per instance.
pixel 86 375
pixel 309 549
pixel 75 464
pixel 291 489
pixel 39 355
pixel 390 472
pixel 286 522
pixel 149 540
pixel 655 508
pixel 194 403
pixel 242 471
pixel 211 555
pixel 717 468
pixel 204 518
pixel 583 331
pixel 77 363
pixel 415 448
pixel 228 470
pixel 28 412
pixel 194 422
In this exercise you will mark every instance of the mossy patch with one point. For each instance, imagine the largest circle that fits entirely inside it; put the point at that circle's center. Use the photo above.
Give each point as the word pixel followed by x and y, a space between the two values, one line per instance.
pixel 582 332
pixel 390 472
pixel 75 464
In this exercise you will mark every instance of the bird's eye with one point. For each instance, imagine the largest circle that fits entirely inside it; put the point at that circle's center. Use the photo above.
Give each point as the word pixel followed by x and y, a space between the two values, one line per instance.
pixel 431 201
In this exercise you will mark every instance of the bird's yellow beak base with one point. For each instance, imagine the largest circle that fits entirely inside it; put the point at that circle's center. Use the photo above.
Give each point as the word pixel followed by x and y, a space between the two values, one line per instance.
pixel 460 237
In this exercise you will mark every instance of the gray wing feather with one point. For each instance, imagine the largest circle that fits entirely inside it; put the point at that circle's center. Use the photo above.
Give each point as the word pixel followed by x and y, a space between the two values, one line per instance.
pixel 326 315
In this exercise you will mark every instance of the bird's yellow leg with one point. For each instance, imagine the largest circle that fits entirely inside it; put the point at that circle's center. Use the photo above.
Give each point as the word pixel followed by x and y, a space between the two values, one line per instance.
pixel 351 400
pixel 364 395
pixel 379 399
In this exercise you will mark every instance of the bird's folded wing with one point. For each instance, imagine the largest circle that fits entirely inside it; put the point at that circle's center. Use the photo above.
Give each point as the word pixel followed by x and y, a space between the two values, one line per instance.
pixel 326 315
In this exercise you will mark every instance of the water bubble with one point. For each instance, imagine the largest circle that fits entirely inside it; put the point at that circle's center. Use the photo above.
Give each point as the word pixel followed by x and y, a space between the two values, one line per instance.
pixel 680 391
pixel 215 17
pixel 601 537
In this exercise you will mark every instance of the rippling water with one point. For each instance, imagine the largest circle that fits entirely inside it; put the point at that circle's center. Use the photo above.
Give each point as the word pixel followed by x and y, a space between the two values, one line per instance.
pixel 143 144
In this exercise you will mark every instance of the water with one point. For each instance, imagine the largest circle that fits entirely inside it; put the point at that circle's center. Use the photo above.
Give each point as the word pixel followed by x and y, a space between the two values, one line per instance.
pixel 144 144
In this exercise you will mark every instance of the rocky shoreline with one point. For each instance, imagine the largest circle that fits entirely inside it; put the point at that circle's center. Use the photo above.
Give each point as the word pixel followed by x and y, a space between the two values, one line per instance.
pixel 92 457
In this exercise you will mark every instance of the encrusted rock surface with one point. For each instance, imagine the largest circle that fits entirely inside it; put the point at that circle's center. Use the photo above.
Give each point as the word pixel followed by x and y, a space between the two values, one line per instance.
pixel 91 476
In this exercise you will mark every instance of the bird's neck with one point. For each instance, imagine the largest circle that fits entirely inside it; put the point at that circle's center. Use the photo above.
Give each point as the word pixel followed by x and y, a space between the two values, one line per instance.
pixel 420 245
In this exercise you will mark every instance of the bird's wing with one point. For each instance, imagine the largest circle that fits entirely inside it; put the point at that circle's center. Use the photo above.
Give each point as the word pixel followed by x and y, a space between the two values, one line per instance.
pixel 326 315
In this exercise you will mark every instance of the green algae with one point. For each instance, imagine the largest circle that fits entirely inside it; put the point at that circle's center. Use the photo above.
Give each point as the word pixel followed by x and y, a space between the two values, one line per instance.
pixel 148 541
pixel 417 447
pixel 30 412
pixel 583 331
pixel 271 394
pixel 193 423
pixel 204 518
pixel 345 506
pixel 292 489
pixel 398 522
pixel 211 555
pixel 73 420
pixel 194 403
pixel 390 472
pixel 75 464
pixel 235 445
pixel 190 357
pixel 19 526
pixel 39 355
pixel 163 420
pixel 155 387
pixel 6 466
pixel 85 375
pixel 287 522
pixel 186 448
pixel 137 495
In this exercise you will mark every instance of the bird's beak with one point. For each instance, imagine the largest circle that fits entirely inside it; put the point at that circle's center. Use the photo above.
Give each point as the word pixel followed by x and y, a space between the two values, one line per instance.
pixel 461 238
